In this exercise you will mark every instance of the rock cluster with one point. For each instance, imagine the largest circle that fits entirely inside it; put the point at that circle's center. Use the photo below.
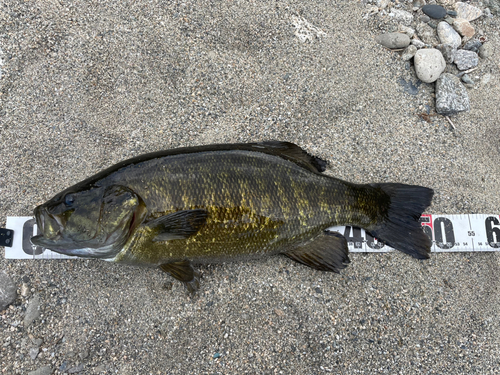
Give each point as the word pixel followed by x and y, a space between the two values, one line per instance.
pixel 434 36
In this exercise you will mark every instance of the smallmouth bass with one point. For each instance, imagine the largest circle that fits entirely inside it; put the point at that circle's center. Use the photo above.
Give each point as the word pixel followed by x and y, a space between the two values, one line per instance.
pixel 177 208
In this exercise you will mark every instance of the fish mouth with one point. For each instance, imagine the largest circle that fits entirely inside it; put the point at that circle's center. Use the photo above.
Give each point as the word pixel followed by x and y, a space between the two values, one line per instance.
pixel 50 226
pixel 47 223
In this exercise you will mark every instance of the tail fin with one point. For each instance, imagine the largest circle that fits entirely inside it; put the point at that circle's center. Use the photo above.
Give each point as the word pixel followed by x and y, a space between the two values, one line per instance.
pixel 400 228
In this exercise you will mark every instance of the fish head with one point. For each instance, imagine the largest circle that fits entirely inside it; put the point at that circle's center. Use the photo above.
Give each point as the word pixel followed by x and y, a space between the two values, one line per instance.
pixel 90 222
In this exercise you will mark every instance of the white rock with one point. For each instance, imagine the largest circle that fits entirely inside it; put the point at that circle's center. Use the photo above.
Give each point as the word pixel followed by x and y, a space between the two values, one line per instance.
pixel 429 64
pixel 447 35
pixel 409 52
pixel 467 11
pixel 418 43
pixel 401 16
pixel 406 30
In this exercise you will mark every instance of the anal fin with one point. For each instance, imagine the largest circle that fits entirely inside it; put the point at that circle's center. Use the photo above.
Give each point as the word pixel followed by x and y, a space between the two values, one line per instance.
pixel 326 252
pixel 184 272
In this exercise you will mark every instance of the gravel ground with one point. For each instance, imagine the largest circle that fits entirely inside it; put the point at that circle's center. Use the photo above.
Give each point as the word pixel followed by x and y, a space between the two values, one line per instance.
pixel 86 84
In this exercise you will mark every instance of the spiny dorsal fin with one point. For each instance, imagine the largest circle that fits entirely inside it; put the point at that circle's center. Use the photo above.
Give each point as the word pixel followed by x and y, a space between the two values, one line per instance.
pixel 293 153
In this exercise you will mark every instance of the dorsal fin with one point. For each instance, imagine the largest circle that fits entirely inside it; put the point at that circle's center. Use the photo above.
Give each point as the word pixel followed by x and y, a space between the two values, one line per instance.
pixel 291 152
pixel 285 150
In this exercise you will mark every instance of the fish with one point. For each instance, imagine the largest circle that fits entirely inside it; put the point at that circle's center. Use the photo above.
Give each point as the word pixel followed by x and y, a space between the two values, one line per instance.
pixel 180 208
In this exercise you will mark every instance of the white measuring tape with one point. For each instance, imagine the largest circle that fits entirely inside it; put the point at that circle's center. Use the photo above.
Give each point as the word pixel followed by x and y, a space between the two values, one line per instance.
pixel 449 233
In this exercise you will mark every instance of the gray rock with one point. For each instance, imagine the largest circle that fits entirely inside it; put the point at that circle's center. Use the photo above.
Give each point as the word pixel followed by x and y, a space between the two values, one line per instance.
pixel 466 59
pixel 449 20
pixel 37 342
pixel 447 35
pixel 429 64
pixel 432 24
pixel 33 311
pixel 486 50
pixel 7 291
pixel 473 45
pixel 393 40
pixel 406 30
pixel 467 11
pixel 418 43
pixel 452 13
pixel 466 79
pixel 434 11
pixel 409 52
pixel 424 18
pixel 451 95
pixel 34 353
pixel 76 369
pixel 417 4
pixel 46 370
pixel 448 52
pixel 401 16
pixel 427 34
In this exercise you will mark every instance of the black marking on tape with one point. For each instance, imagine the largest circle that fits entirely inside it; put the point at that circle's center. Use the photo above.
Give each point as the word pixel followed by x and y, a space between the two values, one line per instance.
pixel 6 237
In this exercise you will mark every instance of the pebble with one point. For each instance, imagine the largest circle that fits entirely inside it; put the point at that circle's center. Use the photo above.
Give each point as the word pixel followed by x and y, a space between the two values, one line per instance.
pixel 451 95
pixel 76 369
pixel 424 18
pixel 434 11
pixel 409 52
pixel 33 311
pixel 34 353
pixel 473 45
pixel 45 370
pixel 418 43
pixel 447 35
pixel 486 50
pixel 417 4
pixel 486 78
pixel 393 40
pixel 406 30
pixel 401 16
pixel 25 290
pixel 466 79
pixel 409 87
pixel 466 59
pixel 427 34
pixel 429 64
pixel 448 52
pixel 449 20
pixel 463 27
pixel 382 4
pixel 7 290
pixel 452 13
pixel 467 11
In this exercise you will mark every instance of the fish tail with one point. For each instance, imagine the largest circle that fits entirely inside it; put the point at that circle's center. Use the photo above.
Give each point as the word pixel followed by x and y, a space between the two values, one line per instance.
pixel 400 227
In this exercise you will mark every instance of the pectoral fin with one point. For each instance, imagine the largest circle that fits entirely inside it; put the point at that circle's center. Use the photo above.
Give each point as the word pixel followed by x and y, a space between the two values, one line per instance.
pixel 184 272
pixel 326 252
pixel 178 225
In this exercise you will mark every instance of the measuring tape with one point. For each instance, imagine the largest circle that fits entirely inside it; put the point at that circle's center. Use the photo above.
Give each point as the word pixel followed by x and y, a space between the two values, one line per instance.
pixel 449 233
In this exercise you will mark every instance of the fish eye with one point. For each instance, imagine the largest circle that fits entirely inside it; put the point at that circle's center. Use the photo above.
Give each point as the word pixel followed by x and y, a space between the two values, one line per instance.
pixel 69 199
